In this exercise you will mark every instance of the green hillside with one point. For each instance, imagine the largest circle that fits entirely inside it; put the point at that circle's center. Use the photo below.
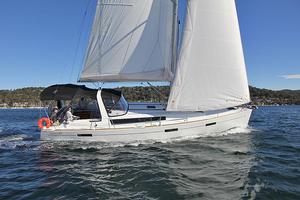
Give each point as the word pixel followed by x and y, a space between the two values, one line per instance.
pixel 29 97
pixel 25 97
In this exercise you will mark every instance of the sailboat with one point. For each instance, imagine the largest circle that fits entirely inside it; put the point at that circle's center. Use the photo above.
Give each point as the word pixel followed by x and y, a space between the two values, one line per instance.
pixel 136 41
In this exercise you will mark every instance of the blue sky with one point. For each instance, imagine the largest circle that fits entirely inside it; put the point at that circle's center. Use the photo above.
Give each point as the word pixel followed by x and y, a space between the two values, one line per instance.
pixel 39 40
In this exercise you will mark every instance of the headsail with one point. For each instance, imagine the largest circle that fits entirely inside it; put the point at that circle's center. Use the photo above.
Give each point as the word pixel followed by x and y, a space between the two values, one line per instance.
pixel 131 40
pixel 211 71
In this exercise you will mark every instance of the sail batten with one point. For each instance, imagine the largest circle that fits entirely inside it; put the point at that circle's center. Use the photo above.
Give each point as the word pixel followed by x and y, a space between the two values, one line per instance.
pixel 131 40
pixel 211 71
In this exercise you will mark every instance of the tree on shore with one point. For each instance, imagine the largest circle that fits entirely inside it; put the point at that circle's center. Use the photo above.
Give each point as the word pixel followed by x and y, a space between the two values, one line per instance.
pixel 29 97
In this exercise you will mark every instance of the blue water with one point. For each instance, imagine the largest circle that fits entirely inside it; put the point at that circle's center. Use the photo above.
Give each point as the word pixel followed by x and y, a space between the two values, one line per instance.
pixel 262 162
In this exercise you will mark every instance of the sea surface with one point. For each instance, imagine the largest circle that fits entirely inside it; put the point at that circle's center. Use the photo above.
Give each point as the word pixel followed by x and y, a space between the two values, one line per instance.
pixel 261 162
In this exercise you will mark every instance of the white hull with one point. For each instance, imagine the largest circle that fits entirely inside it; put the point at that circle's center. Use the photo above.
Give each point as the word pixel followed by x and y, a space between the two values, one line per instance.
pixel 180 126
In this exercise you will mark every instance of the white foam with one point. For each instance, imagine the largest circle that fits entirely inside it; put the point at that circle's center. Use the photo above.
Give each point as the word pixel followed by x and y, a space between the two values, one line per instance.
pixel 13 141
pixel 240 130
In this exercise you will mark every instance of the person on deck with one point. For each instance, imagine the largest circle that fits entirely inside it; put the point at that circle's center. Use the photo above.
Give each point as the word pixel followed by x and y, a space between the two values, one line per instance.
pixel 82 104
pixel 69 116
pixel 54 116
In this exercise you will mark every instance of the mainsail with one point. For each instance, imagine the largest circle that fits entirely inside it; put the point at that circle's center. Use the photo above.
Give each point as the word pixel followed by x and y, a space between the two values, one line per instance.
pixel 211 71
pixel 131 40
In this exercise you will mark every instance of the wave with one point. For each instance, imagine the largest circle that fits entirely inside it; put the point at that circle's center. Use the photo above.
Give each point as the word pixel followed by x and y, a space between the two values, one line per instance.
pixel 240 130
pixel 17 141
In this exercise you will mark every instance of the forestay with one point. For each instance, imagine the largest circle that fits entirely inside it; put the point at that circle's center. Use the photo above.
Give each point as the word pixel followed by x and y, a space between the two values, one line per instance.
pixel 211 71
pixel 131 40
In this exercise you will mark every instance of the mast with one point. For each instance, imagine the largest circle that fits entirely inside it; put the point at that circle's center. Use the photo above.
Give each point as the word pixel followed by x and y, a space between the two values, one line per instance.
pixel 175 35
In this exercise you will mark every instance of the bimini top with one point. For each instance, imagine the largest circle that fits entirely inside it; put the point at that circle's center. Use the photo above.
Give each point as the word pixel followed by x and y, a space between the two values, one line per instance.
pixel 67 92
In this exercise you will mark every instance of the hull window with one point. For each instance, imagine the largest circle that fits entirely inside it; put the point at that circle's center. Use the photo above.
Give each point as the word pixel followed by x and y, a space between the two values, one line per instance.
pixel 171 130
pixel 137 120
pixel 211 124
pixel 84 135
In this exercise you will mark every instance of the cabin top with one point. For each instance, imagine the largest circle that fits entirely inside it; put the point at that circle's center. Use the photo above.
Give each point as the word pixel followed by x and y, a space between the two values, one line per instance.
pixel 70 91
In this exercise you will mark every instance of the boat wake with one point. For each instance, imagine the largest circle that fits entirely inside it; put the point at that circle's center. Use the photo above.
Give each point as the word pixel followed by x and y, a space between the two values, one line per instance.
pixel 216 134
pixel 240 130
pixel 19 141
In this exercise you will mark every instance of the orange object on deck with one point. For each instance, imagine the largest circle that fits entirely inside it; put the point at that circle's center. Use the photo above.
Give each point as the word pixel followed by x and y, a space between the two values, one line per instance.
pixel 44 122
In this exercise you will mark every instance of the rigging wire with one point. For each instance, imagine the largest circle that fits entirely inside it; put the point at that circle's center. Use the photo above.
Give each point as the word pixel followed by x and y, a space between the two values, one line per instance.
pixel 164 98
pixel 79 39
pixel 98 85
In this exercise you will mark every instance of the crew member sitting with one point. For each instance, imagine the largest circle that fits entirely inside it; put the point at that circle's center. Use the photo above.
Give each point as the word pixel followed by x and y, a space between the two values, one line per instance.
pixel 82 103
pixel 54 116
pixel 69 116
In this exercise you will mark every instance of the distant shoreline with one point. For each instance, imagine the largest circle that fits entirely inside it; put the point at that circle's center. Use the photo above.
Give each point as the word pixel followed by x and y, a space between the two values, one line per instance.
pixel 30 97
pixel 35 108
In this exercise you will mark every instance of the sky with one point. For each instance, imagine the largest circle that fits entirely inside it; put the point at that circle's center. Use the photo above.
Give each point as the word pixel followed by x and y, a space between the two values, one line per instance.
pixel 43 42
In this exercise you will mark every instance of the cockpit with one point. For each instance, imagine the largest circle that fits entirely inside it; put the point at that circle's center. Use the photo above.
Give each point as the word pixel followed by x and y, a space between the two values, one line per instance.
pixel 82 101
